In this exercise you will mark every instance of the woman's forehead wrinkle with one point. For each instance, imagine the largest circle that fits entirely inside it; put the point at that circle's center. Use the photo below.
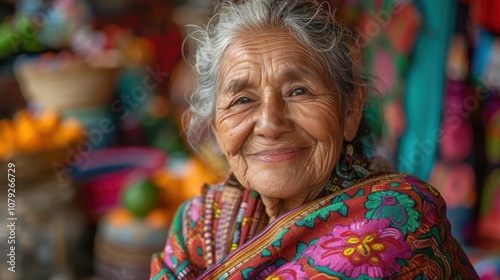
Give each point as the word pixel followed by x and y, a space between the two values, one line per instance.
pixel 240 73
pixel 264 57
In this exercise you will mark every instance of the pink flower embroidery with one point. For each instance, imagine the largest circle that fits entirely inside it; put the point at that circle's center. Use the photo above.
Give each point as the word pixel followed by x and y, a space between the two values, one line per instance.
pixel 195 210
pixel 287 271
pixel 366 247
pixel 169 251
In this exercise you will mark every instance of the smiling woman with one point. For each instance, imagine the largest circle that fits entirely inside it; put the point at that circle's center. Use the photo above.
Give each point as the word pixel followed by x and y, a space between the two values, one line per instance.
pixel 280 95
pixel 266 123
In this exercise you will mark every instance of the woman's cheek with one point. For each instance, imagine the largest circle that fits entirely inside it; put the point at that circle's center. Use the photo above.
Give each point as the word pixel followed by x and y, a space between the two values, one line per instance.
pixel 323 125
pixel 232 134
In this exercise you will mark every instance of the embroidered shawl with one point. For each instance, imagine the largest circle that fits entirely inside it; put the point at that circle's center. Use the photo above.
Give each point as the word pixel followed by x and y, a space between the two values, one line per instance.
pixel 386 226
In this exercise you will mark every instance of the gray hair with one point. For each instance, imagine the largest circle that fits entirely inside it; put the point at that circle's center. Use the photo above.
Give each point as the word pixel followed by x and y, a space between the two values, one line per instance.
pixel 311 23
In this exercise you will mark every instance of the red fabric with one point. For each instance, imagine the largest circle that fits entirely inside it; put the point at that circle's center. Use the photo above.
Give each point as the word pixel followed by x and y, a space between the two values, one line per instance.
pixel 487 14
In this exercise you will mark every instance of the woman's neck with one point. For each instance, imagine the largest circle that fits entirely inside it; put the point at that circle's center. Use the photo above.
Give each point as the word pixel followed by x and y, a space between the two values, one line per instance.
pixel 276 207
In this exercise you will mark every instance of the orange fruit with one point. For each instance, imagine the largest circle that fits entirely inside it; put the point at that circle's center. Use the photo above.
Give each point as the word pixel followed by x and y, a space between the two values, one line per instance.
pixel 6 139
pixel 27 137
pixel 169 188
pixel 70 132
pixel 120 217
pixel 22 116
pixel 48 121
pixel 159 218
pixel 32 134
pixel 196 176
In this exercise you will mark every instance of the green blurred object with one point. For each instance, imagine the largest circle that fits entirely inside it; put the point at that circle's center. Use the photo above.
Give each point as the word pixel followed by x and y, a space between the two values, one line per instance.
pixel 162 133
pixel 140 197
pixel 6 39
pixel 19 36
pixel 27 32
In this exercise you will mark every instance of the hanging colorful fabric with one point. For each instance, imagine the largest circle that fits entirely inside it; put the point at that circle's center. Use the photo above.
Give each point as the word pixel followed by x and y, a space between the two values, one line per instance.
pixel 424 89
pixel 485 13
pixel 457 184
pixel 387 32
pixel 457 135
pixel 486 60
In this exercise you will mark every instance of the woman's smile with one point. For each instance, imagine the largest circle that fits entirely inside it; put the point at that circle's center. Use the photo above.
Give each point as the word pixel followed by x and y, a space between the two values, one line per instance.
pixel 278 155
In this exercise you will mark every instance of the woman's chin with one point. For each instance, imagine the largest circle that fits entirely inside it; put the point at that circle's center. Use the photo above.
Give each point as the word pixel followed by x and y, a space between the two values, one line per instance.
pixel 276 185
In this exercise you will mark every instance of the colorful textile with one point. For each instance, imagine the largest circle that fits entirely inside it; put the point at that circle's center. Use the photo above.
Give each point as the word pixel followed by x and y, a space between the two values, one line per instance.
pixel 424 87
pixel 385 226
pixel 387 33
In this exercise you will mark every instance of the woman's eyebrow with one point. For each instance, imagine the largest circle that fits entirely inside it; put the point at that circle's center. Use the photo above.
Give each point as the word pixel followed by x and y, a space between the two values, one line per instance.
pixel 294 73
pixel 234 85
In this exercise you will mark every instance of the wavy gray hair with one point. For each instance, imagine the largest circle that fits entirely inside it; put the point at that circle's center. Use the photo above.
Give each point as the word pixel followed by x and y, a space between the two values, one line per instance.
pixel 310 22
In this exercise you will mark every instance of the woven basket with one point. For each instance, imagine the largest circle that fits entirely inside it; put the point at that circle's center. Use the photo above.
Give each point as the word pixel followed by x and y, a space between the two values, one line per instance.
pixel 76 86
pixel 36 167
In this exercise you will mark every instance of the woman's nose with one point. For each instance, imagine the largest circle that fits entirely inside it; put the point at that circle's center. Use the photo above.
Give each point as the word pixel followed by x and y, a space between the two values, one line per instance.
pixel 272 118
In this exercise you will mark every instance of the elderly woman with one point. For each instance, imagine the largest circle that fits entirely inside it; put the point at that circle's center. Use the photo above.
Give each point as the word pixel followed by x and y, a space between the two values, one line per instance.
pixel 280 94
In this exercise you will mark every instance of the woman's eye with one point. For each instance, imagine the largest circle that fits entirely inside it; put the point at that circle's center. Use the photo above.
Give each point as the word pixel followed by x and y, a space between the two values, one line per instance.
pixel 298 91
pixel 242 100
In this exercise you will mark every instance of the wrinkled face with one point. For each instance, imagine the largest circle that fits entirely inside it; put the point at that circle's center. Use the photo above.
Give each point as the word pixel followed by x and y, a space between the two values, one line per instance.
pixel 279 119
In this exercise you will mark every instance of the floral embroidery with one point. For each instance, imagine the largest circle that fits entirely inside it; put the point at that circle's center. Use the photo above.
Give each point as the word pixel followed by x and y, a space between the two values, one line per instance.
pixel 195 246
pixel 279 239
pixel 195 210
pixel 365 247
pixel 338 205
pixel 169 257
pixel 290 270
pixel 395 206
pixel 370 232
pixel 391 185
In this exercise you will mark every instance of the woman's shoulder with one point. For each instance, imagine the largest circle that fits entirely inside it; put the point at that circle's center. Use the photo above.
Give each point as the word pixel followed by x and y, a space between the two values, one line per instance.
pixel 404 184
pixel 396 179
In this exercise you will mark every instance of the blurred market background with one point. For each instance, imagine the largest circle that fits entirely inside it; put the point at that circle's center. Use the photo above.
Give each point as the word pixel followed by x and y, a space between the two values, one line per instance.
pixel 91 101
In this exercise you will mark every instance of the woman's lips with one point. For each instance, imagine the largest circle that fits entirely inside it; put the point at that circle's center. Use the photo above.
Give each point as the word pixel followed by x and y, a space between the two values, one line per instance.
pixel 277 155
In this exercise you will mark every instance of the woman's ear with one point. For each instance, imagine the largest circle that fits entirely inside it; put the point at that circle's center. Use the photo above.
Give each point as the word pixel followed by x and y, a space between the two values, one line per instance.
pixel 354 113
